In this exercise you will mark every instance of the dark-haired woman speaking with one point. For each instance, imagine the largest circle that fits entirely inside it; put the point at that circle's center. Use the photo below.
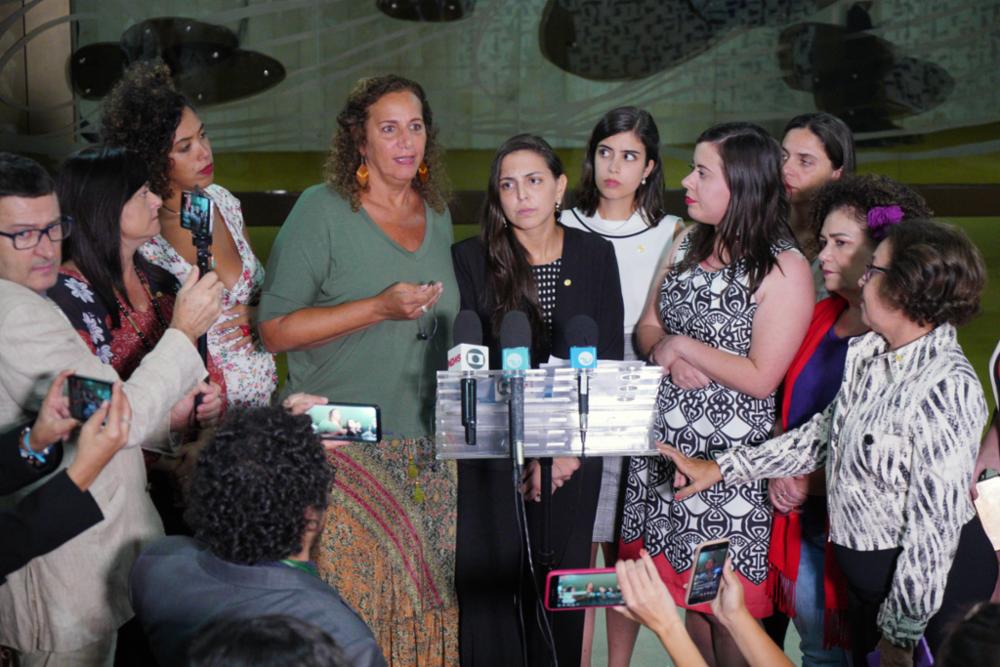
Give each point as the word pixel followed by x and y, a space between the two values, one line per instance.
pixel 524 260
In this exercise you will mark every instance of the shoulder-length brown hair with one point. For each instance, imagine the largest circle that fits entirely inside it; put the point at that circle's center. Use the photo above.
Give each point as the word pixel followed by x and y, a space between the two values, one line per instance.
pixel 345 158
pixel 936 274
pixel 757 217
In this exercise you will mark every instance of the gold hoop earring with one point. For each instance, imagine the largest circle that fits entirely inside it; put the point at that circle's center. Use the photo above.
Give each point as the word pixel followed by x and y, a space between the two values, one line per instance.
pixel 423 172
pixel 361 175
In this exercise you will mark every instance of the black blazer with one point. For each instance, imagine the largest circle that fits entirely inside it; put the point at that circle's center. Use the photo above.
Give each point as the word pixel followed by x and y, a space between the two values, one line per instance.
pixel 588 285
pixel 50 516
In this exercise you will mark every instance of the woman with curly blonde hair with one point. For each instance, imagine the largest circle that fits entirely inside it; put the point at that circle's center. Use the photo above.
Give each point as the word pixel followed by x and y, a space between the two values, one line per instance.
pixel 145 113
pixel 361 293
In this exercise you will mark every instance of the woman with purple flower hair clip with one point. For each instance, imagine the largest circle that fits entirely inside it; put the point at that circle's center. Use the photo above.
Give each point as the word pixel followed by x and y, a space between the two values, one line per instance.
pixel 880 218
pixel 850 216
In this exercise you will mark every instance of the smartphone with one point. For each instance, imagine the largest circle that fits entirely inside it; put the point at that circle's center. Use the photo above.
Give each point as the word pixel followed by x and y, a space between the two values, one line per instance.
pixel 347 421
pixel 196 213
pixel 86 395
pixel 582 589
pixel 709 560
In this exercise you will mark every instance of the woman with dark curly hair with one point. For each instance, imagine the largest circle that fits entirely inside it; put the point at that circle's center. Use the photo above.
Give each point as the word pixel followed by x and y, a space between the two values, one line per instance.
pixel 361 293
pixel 852 214
pixel 899 443
pixel 145 113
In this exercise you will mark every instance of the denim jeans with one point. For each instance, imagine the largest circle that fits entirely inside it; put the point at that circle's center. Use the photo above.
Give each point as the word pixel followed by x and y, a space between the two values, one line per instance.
pixel 809 596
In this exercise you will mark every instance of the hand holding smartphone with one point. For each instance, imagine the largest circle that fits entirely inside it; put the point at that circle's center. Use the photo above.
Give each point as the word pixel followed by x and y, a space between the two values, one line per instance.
pixel 582 589
pixel 86 396
pixel 706 576
pixel 196 213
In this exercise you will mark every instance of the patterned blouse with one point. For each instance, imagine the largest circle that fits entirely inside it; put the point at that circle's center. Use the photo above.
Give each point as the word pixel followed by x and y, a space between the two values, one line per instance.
pixel 123 347
pixel 250 373
pixel 899 443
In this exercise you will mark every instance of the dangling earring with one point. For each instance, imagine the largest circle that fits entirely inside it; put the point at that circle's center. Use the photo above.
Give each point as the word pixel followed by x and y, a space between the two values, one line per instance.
pixel 423 172
pixel 361 175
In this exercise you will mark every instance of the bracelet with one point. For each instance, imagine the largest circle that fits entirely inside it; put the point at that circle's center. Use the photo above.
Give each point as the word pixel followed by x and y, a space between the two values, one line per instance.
pixel 30 455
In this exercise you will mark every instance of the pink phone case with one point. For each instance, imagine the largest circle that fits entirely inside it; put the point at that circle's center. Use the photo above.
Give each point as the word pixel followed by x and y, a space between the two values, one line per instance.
pixel 584 598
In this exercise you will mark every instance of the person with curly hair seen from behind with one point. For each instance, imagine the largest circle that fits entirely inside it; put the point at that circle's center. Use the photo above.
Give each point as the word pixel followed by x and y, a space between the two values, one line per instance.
pixel 145 113
pixel 899 443
pixel 258 497
pixel 361 293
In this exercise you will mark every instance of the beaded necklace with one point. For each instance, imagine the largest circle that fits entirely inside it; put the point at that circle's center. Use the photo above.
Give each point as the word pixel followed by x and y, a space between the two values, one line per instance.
pixel 156 310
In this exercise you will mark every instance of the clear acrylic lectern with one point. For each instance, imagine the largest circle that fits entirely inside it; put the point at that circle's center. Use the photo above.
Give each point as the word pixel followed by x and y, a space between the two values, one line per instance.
pixel 622 400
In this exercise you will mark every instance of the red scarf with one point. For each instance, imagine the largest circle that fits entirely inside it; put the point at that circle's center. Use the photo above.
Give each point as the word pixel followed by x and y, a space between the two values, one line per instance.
pixel 786 531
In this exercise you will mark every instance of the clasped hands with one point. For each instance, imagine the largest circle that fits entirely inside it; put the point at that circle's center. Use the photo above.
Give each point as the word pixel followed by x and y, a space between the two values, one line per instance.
pixel 667 355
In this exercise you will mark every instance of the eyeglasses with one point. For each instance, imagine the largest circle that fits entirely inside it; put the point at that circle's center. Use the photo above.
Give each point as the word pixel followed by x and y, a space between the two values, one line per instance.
pixel 29 238
pixel 870 269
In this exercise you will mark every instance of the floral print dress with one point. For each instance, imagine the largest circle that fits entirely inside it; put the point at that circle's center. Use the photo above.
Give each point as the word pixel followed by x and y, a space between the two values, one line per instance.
pixel 121 347
pixel 251 376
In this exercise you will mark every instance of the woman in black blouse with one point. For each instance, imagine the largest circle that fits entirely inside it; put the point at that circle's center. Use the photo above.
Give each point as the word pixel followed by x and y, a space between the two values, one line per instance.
pixel 524 260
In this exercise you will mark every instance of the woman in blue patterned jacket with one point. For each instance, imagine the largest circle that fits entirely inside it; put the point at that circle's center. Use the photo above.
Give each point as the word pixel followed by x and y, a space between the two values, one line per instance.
pixel 899 443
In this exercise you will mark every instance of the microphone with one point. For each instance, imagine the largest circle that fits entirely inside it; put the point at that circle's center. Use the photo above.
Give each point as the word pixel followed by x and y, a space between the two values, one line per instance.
pixel 515 341
pixel 468 355
pixel 581 334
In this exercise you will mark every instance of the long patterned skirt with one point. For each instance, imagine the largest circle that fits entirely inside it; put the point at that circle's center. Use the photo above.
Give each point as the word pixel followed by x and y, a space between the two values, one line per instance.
pixel 389 547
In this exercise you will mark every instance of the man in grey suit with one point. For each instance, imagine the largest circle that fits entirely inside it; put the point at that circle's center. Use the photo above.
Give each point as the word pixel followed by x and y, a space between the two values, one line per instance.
pixel 257 500
pixel 64 608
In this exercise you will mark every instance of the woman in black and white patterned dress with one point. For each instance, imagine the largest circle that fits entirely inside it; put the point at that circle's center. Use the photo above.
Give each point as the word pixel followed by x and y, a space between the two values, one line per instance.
pixel 732 309
pixel 899 443
pixel 524 260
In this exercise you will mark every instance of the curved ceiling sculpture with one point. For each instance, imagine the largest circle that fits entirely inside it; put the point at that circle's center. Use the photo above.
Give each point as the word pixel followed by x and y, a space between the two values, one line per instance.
pixel 206 60
pixel 488 78
pixel 632 39
pixel 857 75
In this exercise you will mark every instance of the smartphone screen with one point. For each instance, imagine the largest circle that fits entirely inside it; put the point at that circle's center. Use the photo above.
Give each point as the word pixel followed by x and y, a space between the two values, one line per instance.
pixel 86 395
pixel 582 589
pixel 709 561
pixel 347 421
pixel 196 212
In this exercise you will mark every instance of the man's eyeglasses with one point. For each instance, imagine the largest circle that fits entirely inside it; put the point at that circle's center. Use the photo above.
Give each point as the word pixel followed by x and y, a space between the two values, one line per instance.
pixel 870 269
pixel 28 238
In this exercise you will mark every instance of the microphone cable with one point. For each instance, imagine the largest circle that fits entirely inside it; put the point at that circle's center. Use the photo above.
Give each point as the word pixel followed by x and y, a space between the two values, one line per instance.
pixel 541 617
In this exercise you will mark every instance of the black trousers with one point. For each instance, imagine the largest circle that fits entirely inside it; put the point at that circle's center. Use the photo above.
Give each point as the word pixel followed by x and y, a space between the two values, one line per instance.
pixel 499 610
pixel 869 574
